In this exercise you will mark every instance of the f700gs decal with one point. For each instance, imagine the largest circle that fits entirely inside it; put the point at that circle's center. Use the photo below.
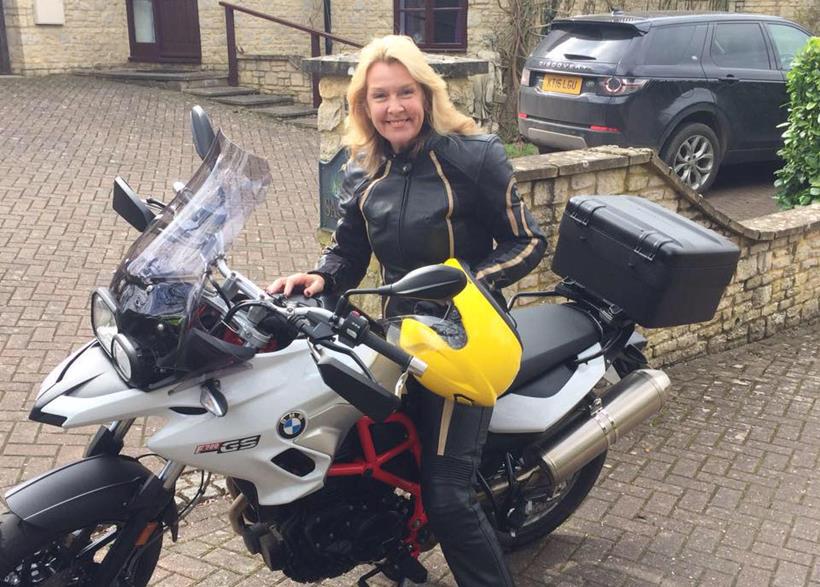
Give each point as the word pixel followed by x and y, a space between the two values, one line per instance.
pixel 229 445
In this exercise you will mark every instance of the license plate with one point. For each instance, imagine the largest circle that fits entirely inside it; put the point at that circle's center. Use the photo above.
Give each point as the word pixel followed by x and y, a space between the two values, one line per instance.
pixel 562 84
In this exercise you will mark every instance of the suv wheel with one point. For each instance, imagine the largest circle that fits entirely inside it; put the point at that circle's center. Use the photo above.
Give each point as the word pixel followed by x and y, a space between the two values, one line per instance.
pixel 693 153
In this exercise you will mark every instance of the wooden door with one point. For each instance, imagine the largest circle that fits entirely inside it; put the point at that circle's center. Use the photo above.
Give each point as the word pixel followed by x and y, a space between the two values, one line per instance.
pixel 5 61
pixel 178 31
pixel 164 30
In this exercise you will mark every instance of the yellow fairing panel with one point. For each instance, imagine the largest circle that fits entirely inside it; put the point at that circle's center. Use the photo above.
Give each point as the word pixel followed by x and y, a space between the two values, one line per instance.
pixel 483 368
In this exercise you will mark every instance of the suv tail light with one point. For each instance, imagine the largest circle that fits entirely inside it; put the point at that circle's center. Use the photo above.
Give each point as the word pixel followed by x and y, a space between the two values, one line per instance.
pixel 620 86
pixel 525 77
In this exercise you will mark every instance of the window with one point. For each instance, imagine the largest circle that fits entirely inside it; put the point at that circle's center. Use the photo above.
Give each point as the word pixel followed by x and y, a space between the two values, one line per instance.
pixel 739 45
pixel 787 41
pixel 573 42
pixel 675 45
pixel 439 25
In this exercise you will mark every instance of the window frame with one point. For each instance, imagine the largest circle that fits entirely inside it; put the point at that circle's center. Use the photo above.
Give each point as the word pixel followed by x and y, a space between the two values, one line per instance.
pixel 460 46
pixel 766 45
pixel 775 49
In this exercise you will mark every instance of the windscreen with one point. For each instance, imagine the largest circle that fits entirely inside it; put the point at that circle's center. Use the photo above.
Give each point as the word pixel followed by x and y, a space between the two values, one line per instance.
pixel 585 42
pixel 158 286
pixel 202 221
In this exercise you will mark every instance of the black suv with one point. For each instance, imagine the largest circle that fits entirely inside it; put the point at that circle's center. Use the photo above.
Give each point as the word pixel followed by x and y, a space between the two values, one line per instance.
pixel 701 89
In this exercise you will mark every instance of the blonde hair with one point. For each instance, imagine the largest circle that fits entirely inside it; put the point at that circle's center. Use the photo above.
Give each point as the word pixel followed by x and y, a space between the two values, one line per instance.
pixel 367 147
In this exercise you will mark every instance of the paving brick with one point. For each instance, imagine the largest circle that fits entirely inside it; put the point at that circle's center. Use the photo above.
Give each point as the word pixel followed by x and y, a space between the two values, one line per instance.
pixel 720 489
pixel 789 574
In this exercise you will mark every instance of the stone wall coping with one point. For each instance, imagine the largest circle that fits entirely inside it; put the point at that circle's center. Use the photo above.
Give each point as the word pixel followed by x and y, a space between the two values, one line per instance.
pixel 566 163
pixel 343 64
pixel 796 220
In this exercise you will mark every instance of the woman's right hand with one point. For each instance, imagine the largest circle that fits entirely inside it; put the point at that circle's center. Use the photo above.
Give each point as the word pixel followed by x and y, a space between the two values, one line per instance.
pixel 310 283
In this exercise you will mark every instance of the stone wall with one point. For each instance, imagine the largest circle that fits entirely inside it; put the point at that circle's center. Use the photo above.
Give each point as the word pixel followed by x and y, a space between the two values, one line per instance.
pixel 255 36
pixel 276 74
pixel 806 12
pixel 777 283
pixel 94 33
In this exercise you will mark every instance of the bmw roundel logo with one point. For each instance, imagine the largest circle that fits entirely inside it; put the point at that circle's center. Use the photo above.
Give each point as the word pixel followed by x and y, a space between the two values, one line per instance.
pixel 291 424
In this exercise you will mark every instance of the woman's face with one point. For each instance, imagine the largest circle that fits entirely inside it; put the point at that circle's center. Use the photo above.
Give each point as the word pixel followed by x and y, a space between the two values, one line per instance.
pixel 395 103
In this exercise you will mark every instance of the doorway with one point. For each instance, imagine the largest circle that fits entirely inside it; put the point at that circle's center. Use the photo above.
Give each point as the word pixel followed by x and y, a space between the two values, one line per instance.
pixel 164 31
pixel 5 60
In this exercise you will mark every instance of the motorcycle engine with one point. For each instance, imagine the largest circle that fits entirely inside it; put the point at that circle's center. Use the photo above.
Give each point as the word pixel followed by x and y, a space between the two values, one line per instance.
pixel 349 522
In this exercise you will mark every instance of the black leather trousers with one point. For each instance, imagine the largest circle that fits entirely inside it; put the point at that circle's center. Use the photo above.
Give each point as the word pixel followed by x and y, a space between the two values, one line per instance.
pixel 452 436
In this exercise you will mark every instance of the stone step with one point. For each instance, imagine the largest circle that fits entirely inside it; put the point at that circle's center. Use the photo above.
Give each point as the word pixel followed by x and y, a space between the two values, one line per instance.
pixel 221 91
pixel 288 112
pixel 307 122
pixel 170 79
pixel 256 101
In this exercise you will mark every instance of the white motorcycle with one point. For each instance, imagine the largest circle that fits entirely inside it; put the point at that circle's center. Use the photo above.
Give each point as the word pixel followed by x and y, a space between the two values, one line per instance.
pixel 298 406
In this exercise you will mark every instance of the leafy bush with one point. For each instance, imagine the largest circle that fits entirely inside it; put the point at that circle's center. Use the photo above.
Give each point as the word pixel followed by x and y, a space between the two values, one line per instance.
pixel 798 182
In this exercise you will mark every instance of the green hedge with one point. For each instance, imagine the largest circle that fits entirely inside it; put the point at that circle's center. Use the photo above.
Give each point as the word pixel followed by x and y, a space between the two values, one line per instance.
pixel 798 182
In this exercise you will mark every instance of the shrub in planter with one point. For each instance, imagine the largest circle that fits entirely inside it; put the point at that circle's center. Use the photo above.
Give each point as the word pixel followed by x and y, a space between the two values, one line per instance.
pixel 798 182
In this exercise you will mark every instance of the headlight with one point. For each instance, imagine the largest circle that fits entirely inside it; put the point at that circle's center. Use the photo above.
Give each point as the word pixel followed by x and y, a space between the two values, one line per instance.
pixel 124 356
pixel 103 319
pixel 131 363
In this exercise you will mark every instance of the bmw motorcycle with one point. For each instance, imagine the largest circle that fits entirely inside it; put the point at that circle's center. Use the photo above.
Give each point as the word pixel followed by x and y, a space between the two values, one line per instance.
pixel 298 405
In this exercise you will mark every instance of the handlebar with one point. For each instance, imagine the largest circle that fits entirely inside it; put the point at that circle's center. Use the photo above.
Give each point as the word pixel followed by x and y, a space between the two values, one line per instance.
pixel 391 351
pixel 322 316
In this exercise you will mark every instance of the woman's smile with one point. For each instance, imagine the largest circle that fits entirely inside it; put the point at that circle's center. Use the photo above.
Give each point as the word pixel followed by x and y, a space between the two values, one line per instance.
pixel 395 102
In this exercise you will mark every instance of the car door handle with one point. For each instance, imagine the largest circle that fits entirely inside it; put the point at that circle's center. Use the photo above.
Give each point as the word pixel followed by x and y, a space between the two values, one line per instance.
pixel 729 78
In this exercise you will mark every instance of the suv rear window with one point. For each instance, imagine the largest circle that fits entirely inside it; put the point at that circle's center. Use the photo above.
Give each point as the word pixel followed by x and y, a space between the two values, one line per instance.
pixel 584 42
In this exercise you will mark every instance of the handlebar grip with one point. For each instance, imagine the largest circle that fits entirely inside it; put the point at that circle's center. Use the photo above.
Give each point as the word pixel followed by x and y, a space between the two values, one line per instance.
pixel 391 351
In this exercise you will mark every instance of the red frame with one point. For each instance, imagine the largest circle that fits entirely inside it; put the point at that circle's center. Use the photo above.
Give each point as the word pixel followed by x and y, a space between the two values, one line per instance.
pixel 371 466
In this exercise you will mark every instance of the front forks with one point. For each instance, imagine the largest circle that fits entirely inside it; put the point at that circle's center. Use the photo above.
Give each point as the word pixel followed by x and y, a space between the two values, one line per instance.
pixel 153 501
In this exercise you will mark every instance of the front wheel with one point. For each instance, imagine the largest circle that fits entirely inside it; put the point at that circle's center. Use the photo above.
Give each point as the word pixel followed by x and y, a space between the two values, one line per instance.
pixel 693 153
pixel 546 507
pixel 37 556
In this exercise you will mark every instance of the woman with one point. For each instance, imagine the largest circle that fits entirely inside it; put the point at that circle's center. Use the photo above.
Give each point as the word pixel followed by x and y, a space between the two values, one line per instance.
pixel 422 186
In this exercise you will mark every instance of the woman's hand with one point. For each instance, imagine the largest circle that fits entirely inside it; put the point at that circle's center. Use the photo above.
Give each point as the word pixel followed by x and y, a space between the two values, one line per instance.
pixel 311 284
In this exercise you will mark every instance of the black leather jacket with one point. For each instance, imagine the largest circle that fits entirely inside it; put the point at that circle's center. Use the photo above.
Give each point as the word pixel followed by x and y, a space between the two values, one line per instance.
pixel 454 198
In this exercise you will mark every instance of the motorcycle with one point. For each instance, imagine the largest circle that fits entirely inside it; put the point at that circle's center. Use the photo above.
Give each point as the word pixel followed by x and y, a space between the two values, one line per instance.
pixel 298 404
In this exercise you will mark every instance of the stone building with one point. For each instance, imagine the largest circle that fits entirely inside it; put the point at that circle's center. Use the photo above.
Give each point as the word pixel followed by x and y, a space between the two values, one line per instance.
pixel 50 36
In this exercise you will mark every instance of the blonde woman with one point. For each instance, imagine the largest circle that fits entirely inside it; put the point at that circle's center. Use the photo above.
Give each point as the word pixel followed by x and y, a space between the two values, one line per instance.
pixel 421 186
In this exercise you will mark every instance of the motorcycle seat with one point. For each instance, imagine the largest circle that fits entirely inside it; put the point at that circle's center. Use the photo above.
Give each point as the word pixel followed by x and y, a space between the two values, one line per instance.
pixel 550 335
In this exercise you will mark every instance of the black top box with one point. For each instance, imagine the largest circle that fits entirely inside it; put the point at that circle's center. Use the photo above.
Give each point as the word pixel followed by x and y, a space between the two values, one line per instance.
pixel 660 268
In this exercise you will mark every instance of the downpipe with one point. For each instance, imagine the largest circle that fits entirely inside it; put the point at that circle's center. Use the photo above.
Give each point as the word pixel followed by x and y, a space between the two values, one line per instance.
pixel 636 397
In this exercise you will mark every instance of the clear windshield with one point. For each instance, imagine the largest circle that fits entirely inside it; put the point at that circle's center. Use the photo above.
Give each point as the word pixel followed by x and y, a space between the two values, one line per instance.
pixel 158 286
pixel 201 223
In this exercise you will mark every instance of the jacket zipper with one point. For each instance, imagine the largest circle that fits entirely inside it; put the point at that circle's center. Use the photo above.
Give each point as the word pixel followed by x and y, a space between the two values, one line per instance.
pixel 405 172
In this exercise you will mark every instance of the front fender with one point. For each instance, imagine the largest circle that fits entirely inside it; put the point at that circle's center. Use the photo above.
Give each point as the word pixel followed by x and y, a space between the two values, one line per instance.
pixel 80 493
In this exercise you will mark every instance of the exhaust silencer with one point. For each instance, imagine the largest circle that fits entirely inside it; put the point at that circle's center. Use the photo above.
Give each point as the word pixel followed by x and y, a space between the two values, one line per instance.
pixel 636 397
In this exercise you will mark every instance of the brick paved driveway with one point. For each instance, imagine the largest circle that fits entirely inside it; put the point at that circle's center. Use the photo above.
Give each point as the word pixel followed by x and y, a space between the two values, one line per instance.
pixel 722 489
pixel 745 190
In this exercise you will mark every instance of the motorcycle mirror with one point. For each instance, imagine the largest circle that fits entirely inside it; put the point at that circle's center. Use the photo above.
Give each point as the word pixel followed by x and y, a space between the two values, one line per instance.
pixel 202 131
pixel 128 205
pixel 433 282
